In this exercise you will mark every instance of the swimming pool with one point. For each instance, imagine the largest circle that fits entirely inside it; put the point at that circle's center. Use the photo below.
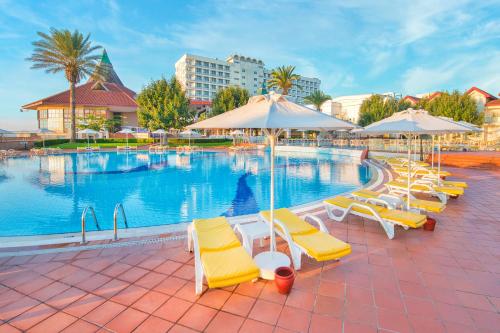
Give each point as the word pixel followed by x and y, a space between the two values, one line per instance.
pixel 47 194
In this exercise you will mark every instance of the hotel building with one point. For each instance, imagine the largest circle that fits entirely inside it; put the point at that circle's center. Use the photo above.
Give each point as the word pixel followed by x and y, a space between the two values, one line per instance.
pixel 202 77
pixel 106 97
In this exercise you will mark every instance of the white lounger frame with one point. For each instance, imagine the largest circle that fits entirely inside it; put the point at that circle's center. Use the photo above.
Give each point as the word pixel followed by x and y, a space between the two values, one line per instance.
pixel 296 250
pixel 193 246
pixel 387 225
pixel 443 197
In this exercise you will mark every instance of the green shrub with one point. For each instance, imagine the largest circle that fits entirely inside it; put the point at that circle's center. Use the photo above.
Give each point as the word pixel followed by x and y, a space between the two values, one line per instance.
pixel 55 142
pixel 179 141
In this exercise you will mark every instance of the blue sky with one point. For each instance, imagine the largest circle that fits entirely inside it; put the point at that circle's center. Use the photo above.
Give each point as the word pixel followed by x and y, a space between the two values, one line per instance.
pixel 354 47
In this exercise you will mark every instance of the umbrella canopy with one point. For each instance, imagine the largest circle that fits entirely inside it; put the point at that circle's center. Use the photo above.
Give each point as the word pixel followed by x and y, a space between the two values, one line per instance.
pixel 190 132
pixel 237 133
pixel 413 122
pixel 41 132
pixel 88 131
pixel 126 131
pixel 272 113
pixel 159 131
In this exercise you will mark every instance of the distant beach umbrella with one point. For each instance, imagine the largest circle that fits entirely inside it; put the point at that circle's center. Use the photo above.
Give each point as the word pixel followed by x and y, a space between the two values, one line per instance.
pixel 42 132
pixel 160 131
pixel 126 131
pixel 190 133
pixel 88 132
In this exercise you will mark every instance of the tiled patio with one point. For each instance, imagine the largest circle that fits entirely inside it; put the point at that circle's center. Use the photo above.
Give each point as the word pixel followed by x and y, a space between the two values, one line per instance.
pixel 442 281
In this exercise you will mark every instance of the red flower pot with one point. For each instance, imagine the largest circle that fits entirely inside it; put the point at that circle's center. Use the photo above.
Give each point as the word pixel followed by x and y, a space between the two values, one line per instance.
pixel 430 224
pixel 283 278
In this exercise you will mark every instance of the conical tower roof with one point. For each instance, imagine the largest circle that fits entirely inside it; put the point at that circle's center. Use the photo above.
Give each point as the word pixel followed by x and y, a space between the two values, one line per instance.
pixel 106 71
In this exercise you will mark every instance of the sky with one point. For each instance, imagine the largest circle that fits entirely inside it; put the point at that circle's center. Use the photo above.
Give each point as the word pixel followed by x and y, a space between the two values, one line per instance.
pixel 353 47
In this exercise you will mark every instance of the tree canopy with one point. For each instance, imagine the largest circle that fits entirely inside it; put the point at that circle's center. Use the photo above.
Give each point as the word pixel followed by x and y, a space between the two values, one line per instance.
pixel 98 123
pixel 378 107
pixel 228 99
pixel 68 52
pixel 453 105
pixel 317 99
pixel 163 104
pixel 283 78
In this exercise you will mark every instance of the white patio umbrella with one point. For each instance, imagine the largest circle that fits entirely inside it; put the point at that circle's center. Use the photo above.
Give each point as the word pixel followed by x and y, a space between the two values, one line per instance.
pixel 126 131
pixel 3 132
pixel 42 132
pixel 88 132
pixel 412 122
pixel 236 133
pixel 190 133
pixel 160 131
pixel 272 113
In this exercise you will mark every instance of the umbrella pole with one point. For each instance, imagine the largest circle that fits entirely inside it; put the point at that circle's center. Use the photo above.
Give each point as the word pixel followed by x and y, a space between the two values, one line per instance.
pixel 439 161
pixel 432 153
pixel 409 172
pixel 272 142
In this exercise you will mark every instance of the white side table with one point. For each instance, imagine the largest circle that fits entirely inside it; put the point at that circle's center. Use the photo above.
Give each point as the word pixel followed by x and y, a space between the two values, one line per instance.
pixel 251 231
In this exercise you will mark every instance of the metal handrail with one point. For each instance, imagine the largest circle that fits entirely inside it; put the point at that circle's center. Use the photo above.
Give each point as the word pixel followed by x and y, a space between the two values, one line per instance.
pixel 84 214
pixel 115 220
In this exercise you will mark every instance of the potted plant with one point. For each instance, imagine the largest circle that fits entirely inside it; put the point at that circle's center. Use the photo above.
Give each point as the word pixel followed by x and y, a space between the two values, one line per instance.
pixel 283 278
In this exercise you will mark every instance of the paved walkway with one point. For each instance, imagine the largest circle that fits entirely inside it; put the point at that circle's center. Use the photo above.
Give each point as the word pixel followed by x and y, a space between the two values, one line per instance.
pixel 442 281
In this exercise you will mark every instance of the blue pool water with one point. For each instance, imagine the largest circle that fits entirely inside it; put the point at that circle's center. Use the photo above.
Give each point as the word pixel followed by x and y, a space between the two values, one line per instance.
pixel 46 194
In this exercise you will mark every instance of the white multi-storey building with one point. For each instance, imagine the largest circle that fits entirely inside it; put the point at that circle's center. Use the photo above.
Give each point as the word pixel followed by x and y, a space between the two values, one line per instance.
pixel 201 77
pixel 347 107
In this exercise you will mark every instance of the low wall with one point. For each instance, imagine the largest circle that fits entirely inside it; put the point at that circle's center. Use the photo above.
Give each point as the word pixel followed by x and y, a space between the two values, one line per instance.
pixel 355 153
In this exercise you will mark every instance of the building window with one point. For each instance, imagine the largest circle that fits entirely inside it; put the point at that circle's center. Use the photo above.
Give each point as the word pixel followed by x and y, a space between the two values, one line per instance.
pixel 212 65
pixel 214 86
pixel 243 70
pixel 205 71
pixel 198 70
pixel 227 81
pixel 213 72
pixel 205 86
pixel 255 72
pixel 198 78
pixel 214 79
pixel 220 67
pixel 221 81
pixel 226 75
pixel 198 92
pixel 206 78
pixel 198 85
pixel 205 64
pixel 198 63
pixel 227 68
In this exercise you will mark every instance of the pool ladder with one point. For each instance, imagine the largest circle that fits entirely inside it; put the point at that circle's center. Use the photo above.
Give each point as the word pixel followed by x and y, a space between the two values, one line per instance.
pixel 118 209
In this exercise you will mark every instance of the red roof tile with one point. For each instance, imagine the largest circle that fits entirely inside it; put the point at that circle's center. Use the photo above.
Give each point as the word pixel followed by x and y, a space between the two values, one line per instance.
pixel 495 102
pixel 411 98
pixel 89 94
pixel 482 92
pixel 199 102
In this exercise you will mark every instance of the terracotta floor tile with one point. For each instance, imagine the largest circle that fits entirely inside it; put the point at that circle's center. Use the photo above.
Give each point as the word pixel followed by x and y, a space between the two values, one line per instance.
pixel 150 280
pixel 181 329
pixel 151 263
pixel 325 324
pixel 239 304
pixel 358 313
pixel 225 323
pixel 77 277
pixel 15 308
pixel 34 285
pixel 84 305
pixel 150 302
pixel 81 326
pixel 133 274
pixel 129 295
pixel 266 311
pixel 454 314
pixel 116 269
pixel 127 321
pixel 198 317
pixel 425 325
pixel 270 293
pixel 173 309
pixel 93 282
pixel 332 289
pixel 294 319
pixel 388 300
pixel 251 326
pixel 170 285
pixel 168 267
pixel 350 327
pixel 32 317
pixel 50 291
pixel 55 323
pixel 104 313
pixel 391 321
pixel 475 301
pixel 252 289
pixel 214 298
pixel 359 295
pixel 65 298
pixel 154 325
pixel 6 328
pixel 331 306
pixel 485 319
pixel 420 307
pixel 111 288
pixel 187 292
pixel 301 299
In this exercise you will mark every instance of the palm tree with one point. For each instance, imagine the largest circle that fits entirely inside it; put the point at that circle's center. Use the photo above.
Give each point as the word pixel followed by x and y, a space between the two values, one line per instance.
pixel 283 78
pixel 68 52
pixel 317 99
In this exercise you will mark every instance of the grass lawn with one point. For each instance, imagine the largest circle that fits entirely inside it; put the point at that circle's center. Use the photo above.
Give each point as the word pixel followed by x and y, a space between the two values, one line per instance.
pixel 203 144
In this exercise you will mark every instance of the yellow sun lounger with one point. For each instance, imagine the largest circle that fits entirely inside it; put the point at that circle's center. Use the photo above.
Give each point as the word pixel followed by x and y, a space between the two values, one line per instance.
pixel 302 237
pixel 219 255
pixel 442 192
pixel 387 218
pixel 452 183
pixel 399 202
pixel 420 172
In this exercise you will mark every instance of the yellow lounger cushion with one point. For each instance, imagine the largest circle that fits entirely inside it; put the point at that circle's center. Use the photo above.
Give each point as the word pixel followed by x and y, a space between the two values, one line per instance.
pixel 344 202
pixel 410 219
pixel 322 246
pixel 215 234
pixel 228 267
pixel 424 188
pixel 295 224
pixel 452 183
pixel 427 205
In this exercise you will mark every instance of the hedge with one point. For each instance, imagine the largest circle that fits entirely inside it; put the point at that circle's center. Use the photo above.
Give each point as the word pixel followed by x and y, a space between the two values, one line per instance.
pixel 177 141
pixel 54 142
